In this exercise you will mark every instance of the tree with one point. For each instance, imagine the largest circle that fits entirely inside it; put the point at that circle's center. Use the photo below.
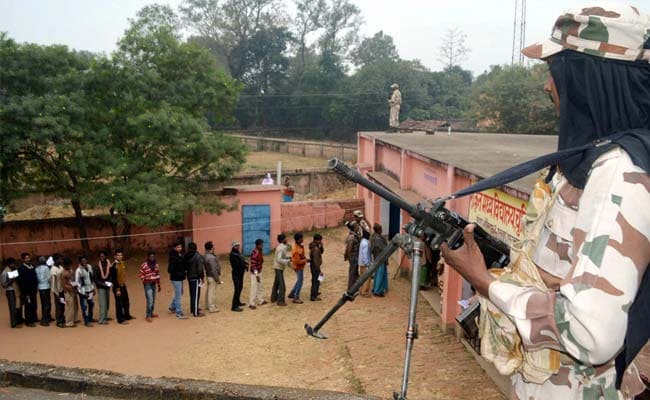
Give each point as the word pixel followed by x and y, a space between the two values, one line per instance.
pixel 232 24
pixel 341 24
pixel 49 126
pixel 159 92
pixel 453 49
pixel 309 18
pixel 510 99
pixel 376 49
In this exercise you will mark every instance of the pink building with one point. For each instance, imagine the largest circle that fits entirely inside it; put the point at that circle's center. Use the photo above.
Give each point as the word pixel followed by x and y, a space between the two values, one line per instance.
pixel 420 167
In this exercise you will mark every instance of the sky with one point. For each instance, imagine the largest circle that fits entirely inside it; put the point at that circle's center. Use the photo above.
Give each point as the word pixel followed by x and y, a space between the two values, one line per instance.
pixel 417 26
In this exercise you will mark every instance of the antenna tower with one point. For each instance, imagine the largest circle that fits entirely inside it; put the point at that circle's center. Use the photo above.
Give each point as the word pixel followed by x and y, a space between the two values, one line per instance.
pixel 519 32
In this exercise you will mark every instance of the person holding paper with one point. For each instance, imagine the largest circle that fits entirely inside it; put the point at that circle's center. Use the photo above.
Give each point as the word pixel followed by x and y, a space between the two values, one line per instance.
pixel 150 276
pixel 28 283
pixel 70 293
pixel 86 289
pixel 10 285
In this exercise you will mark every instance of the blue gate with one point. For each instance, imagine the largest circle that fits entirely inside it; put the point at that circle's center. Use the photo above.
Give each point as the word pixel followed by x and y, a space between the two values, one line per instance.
pixel 256 223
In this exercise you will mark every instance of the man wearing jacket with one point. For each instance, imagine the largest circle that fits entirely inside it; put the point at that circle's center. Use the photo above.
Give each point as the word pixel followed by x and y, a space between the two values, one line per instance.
pixel 299 261
pixel 281 261
pixel 239 265
pixel 120 291
pixel 195 277
pixel 316 260
pixel 177 274
pixel 213 275
pixel 28 283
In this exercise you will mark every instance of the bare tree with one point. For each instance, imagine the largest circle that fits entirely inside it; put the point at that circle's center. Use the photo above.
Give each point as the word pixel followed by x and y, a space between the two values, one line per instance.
pixel 309 18
pixel 453 50
pixel 341 23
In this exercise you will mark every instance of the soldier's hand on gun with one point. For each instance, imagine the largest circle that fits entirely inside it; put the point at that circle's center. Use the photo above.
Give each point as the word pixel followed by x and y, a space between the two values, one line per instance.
pixel 469 262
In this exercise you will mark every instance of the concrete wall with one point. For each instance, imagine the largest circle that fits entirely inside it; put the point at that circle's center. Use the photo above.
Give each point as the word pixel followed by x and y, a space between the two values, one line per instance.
pixel 305 148
pixel 61 235
pixel 315 181
pixel 318 214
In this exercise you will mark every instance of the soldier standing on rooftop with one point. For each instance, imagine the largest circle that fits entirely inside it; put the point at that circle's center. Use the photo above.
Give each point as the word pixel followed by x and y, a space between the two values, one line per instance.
pixel 576 312
pixel 395 104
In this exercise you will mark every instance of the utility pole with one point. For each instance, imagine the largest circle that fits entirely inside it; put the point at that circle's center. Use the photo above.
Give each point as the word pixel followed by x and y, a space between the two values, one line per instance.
pixel 519 32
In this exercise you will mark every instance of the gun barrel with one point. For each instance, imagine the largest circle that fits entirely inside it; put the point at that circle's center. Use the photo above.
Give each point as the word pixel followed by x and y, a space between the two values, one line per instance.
pixel 341 168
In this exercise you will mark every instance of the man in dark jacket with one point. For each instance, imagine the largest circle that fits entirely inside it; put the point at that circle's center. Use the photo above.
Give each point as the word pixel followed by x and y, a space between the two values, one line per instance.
pixel 28 282
pixel 195 277
pixel 239 265
pixel 177 274
pixel 316 260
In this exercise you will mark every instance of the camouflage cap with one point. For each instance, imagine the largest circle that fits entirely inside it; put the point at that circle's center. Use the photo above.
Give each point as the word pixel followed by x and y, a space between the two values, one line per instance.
pixel 605 28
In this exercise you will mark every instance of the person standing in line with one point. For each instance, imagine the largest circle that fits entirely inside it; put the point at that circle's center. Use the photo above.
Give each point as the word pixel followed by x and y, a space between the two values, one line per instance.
pixel 361 221
pixel 150 276
pixel 10 284
pixel 316 250
pixel 281 261
pixel 377 244
pixel 120 291
pixel 84 278
pixel 239 265
pixel 351 254
pixel 299 261
pixel 364 262
pixel 28 283
pixel 257 263
pixel 57 290
pixel 43 276
pixel 103 284
pixel 213 277
pixel 70 293
pixel 195 277
pixel 177 274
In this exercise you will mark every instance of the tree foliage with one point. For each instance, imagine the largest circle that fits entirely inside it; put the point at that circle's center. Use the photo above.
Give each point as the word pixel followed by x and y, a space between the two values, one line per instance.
pixel 511 99
pixel 378 48
pixel 128 133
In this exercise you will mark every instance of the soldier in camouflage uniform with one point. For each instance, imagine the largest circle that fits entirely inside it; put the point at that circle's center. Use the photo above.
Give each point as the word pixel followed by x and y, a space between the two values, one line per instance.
pixel 588 231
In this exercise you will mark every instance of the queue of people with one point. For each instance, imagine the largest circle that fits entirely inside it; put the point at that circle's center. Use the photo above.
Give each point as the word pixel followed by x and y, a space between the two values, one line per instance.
pixel 75 288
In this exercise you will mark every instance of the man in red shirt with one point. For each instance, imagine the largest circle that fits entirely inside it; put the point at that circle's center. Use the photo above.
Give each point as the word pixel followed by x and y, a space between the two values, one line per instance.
pixel 257 262
pixel 150 276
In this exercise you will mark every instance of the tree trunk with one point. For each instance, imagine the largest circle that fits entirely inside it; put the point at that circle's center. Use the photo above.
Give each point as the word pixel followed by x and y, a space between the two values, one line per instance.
pixel 125 239
pixel 81 225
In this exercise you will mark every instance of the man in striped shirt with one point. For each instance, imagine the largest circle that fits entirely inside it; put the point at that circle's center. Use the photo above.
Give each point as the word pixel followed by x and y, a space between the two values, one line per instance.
pixel 150 276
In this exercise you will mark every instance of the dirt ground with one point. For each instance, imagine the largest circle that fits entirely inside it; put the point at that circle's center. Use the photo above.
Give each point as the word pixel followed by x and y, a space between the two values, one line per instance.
pixel 268 346
pixel 268 161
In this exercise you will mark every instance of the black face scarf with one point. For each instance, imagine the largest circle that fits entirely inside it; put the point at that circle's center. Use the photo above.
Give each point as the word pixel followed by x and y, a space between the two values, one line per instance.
pixel 600 98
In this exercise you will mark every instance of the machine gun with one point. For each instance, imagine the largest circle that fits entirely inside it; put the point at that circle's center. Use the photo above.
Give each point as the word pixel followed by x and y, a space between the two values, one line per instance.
pixel 431 226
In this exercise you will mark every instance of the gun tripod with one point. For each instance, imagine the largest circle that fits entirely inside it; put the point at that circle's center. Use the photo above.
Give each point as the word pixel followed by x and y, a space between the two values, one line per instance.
pixel 414 248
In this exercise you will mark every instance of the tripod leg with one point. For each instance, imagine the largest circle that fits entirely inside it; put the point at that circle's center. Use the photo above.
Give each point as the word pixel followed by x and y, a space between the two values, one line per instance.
pixel 412 330
pixel 393 245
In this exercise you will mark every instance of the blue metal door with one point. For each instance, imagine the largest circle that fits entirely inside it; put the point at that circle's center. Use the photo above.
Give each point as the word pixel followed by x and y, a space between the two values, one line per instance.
pixel 256 223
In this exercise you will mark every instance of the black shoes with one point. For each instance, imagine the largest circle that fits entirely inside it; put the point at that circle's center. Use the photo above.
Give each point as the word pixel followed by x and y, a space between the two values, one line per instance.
pixel 237 309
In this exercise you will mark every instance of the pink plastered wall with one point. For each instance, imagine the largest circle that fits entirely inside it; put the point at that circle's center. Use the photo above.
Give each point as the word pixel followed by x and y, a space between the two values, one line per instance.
pixel 225 228
pixel 389 159
pixel 305 216
pixel 61 235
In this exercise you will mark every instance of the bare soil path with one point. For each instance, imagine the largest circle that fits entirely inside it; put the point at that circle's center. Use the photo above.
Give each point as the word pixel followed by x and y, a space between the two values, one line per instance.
pixel 268 346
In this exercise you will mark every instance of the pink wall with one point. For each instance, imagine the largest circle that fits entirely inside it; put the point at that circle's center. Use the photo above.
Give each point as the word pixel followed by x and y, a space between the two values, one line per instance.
pixel 61 236
pixel 388 158
pixel 365 150
pixel 312 215
pixel 223 229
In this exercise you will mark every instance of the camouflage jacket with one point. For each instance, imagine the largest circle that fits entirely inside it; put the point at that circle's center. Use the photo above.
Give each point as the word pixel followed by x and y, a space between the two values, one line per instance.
pixel 598 242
